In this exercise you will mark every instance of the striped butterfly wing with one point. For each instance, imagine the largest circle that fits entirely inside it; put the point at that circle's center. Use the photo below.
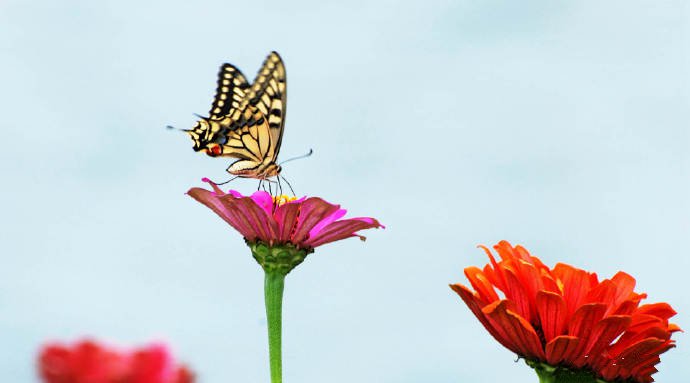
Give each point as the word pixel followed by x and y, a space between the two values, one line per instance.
pixel 251 142
pixel 246 121
pixel 231 89
pixel 268 94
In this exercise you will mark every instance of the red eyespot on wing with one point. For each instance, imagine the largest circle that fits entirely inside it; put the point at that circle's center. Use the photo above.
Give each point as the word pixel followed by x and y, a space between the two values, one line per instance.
pixel 215 150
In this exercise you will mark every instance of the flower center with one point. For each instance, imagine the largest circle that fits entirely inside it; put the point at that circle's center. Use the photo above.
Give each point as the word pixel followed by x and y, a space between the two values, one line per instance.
pixel 282 199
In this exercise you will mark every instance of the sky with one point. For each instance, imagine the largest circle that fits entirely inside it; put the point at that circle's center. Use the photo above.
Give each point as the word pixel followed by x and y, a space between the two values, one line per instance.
pixel 561 126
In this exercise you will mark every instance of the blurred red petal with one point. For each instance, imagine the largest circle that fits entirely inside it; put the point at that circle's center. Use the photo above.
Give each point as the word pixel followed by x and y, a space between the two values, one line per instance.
pixel 92 362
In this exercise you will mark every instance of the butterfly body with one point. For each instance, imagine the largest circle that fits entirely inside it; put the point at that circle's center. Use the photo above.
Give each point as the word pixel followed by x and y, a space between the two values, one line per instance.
pixel 246 121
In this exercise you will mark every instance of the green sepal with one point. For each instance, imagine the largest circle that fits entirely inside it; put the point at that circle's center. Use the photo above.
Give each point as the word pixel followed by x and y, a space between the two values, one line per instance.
pixel 560 374
pixel 279 259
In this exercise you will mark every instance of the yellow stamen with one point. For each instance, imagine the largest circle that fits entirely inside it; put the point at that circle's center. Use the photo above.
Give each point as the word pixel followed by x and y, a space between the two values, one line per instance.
pixel 282 199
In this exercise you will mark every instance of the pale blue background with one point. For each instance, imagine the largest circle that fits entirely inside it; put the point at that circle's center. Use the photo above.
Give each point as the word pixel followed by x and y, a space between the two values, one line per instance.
pixel 562 126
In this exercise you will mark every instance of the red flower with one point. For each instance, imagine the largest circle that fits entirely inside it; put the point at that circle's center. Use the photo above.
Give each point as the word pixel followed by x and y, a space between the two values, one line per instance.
pixel 566 317
pixel 90 362
pixel 306 223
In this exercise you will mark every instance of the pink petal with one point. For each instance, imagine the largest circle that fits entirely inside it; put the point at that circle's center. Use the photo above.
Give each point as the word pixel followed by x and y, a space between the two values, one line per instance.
pixel 263 200
pixel 235 193
pixel 257 217
pixel 243 214
pixel 286 217
pixel 369 220
pixel 340 230
pixel 313 211
pixel 215 187
pixel 229 215
pixel 327 221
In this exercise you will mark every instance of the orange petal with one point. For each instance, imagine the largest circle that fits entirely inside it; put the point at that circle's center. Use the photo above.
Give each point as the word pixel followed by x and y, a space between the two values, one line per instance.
pixel 582 323
pixel 516 329
pixel 495 275
pixel 505 250
pixel 481 284
pixel 561 348
pixel 635 354
pixel 576 284
pixel 600 337
pixel 662 310
pixel 475 305
pixel 552 314
pixel 516 291
pixel 612 292
pixel 585 318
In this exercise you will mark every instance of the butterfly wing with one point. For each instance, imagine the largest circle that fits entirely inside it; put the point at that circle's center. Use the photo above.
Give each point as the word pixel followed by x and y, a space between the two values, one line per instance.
pixel 268 93
pixel 246 122
pixel 230 91
pixel 251 142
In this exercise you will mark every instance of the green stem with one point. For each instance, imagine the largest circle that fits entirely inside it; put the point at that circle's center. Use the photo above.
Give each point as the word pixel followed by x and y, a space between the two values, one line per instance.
pixel 277 261
pixel 545 377
pixel 274 283
pixel 555 374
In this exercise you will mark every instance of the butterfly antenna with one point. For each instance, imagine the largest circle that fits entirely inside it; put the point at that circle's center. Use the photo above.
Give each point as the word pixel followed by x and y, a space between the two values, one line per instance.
pixel 170 127
pixel 311 151
pixel 288 183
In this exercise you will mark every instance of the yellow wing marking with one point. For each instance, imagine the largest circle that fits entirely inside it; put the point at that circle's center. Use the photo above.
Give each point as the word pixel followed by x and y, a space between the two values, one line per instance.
pixel 246 121
pixel 251 139
pixel 268 93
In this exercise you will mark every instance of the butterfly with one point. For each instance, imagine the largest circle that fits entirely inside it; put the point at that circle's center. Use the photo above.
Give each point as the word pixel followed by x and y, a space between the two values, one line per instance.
pixel 246 121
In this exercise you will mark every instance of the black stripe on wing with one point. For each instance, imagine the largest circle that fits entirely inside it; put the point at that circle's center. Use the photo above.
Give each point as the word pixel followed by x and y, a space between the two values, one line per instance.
pixel 268 93
pixel 231 89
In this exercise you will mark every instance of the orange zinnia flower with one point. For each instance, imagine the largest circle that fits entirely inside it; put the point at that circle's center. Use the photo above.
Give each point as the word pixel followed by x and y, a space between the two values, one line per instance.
pixel 564 320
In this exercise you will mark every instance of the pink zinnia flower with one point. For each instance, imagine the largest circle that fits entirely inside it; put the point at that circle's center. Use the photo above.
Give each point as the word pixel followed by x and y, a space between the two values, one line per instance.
pixel 565 321
pixel 305 223
pixel 281 232
pixel 90 362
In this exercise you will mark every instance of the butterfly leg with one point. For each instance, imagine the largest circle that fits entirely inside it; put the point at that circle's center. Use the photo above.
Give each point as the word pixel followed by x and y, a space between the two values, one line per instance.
pixel 263 186
pixel 280 186
pixel 223 183
pixel 290 186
